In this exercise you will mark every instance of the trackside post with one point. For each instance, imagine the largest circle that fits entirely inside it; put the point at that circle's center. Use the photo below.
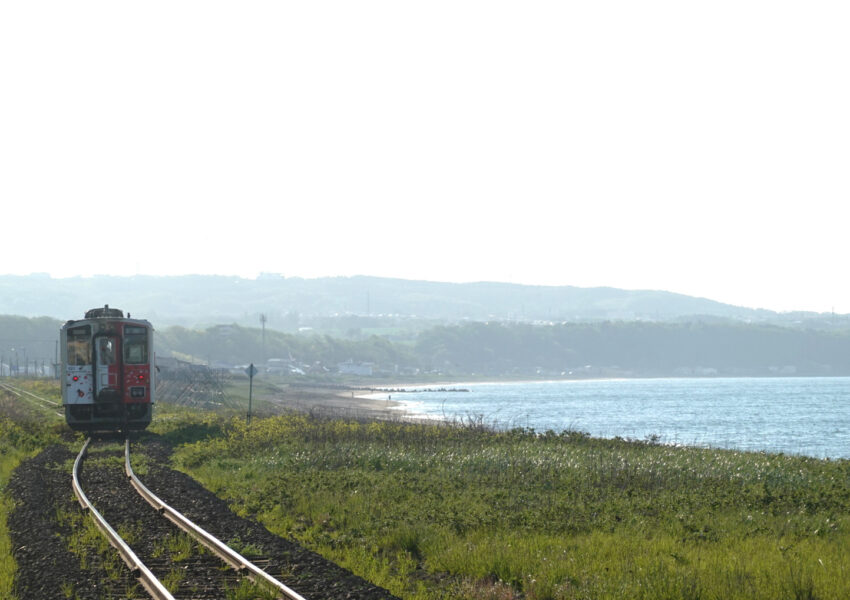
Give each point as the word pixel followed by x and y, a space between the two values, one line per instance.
pixel 251 371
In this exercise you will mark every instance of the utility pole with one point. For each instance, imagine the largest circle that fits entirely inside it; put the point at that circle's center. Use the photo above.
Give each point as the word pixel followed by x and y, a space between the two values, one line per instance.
pixel 263 323
pixel 251 371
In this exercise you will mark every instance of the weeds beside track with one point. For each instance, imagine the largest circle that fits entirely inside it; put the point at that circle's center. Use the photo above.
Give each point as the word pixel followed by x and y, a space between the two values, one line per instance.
pixel 22 434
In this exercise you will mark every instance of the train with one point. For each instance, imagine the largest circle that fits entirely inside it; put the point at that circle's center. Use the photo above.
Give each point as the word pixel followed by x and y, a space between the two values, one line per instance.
pixel 108 369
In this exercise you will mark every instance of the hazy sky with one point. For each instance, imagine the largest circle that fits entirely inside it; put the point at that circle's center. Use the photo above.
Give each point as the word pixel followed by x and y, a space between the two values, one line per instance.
pixel 696 147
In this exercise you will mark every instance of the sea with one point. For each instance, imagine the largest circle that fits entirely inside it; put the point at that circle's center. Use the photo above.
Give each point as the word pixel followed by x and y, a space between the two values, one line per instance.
pixel 807 416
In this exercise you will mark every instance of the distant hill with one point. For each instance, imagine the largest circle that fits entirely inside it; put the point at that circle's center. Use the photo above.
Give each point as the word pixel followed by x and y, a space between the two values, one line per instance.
pixel 200 300
pixel 24 340
pixel 577 350
pixel 415 327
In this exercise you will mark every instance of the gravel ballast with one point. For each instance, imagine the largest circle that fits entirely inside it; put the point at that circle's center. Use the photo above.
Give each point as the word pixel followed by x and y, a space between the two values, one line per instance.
pixel 46 515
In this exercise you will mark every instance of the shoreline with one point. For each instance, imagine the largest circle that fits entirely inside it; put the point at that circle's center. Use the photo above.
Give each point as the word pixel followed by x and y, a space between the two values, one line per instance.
pixel 389 403
pixel 355 402
pixel 377 402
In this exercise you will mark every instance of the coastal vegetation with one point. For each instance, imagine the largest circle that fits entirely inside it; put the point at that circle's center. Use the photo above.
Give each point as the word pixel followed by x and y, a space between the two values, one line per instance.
pixel 25 429
pixel 699 346
pixel 557 350
pixel 460 511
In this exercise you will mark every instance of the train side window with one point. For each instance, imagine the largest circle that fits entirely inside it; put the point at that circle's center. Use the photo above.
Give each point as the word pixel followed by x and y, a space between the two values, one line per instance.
pixel 135 350
pixel 79 346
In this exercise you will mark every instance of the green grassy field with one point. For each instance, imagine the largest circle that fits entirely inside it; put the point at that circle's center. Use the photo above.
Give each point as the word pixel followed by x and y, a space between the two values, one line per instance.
pixel 436 511
pixel 461 512
pixel 25 428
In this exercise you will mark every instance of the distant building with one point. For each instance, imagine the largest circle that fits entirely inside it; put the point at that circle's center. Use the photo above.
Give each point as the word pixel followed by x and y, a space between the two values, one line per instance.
pixel 283 366
pixel 350 367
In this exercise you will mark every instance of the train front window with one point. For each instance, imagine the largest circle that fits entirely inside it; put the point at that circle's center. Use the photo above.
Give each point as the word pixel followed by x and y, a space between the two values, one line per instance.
pixel 105 351
pixel 135 350
pixel 79 346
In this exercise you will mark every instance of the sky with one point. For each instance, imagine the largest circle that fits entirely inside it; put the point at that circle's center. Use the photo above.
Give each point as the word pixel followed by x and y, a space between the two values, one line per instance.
pixel 694 147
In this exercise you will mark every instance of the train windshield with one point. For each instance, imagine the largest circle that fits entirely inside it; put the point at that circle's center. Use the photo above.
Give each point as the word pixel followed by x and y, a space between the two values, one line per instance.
pixel 106 351
pixel 79 346
pixel 135 346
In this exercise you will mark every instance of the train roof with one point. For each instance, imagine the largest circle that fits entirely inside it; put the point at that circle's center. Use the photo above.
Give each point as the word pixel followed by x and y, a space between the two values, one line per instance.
pixel 106 313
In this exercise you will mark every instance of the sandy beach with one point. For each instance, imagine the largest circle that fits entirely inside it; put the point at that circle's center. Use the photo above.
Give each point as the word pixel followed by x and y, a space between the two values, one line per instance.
pixel 353 402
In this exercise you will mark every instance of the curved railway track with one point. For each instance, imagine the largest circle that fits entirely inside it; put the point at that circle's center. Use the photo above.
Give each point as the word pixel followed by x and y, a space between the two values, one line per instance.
pixel 146 577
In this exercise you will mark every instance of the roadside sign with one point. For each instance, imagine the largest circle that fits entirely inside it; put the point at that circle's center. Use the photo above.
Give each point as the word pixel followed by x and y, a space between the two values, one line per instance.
pixel 251 370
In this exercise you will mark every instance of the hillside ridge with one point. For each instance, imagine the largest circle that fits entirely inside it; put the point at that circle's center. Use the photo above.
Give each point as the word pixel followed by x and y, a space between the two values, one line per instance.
pixel 191 300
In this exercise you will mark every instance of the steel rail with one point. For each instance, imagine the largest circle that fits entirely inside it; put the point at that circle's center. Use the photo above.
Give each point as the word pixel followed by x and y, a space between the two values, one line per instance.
pixel 19 391
pixel 226 553
pixel 20 394
pixel 139 570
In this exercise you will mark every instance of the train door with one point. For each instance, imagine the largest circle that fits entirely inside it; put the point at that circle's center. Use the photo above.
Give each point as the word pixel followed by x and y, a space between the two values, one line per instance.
pixel 107 365
pixel 77 356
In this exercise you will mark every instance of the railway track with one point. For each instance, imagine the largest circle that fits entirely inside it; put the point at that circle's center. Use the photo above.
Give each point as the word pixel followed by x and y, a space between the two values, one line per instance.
pixel 33 398
pixel 214 583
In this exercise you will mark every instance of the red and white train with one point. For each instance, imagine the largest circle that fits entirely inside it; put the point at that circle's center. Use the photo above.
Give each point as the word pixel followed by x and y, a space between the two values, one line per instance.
pixel 108 367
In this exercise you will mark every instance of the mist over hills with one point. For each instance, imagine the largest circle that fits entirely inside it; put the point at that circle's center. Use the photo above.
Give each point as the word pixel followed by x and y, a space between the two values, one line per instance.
pixel 200 300
pixel 411 327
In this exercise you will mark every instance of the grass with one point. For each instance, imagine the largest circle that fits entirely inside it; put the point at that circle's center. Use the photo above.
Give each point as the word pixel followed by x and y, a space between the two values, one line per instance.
pixel 248 590
pixel 22 435
pixel 177 546
pixel 85 540
pixel 172 580
pixel 7 562
pixel 432 511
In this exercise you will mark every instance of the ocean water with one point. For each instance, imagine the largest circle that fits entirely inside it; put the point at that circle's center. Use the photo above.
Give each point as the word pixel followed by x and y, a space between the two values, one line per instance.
pixel 806 416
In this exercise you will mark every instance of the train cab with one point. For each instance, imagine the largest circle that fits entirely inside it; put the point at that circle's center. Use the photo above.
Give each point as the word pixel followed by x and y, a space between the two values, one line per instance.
pixel 108 370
